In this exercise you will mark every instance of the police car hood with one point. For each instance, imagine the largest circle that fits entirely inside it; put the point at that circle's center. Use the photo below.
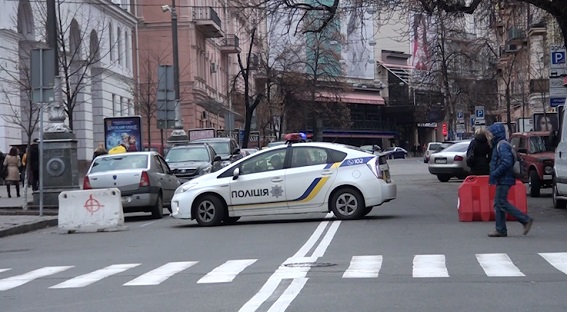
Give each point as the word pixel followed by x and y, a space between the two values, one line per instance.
pixel 188 165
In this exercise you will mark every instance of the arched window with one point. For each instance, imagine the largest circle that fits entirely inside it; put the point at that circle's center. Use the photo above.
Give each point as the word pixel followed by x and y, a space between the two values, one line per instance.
pixel 119 45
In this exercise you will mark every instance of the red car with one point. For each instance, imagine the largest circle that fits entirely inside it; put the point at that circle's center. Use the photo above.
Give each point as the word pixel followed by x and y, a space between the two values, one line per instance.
pixel 536 153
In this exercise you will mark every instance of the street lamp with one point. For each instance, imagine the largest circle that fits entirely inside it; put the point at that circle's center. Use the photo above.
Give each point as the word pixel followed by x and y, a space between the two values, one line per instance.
pixel 175 43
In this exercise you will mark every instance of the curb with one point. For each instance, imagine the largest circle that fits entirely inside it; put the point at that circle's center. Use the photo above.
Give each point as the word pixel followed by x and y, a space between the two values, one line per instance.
pixel 24 228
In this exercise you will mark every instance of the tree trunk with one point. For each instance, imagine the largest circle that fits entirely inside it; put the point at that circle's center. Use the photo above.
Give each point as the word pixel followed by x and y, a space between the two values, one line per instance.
pixel 149 120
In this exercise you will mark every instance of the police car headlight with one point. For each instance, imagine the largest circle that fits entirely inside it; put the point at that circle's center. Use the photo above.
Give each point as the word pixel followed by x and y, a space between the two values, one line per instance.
pixel 548 170
pixel 225 163
pixel 185 187
pixel 206 170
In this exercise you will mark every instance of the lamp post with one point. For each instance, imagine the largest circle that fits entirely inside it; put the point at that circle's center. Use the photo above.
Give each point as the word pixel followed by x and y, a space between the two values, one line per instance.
pixel 175 43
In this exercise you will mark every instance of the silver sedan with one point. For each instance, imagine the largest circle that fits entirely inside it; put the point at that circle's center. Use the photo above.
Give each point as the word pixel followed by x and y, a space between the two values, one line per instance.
pixel 450 162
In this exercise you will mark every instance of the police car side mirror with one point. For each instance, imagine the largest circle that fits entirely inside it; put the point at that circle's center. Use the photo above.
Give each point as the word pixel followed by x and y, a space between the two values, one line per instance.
pixel 235 173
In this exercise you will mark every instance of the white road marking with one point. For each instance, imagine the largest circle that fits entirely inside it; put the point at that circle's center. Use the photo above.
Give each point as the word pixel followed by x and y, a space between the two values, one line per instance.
pixel 296 273
pixel 19 280
pixel 498 264
pixel 364 267
pixel 157 276
pixel 89 278
pixel 146 224
pixel 288 295
pixel 226 272
pixel 556 259
pixel 429 266
pixel 4 270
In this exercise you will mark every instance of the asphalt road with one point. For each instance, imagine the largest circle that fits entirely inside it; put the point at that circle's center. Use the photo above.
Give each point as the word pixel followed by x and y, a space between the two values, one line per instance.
pixel 411 254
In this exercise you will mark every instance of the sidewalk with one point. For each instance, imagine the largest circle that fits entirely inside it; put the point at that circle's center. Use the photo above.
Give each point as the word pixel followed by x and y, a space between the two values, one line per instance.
pixel 14 220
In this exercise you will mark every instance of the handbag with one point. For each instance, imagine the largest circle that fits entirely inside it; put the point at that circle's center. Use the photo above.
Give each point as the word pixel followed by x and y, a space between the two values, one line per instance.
pixel 4 172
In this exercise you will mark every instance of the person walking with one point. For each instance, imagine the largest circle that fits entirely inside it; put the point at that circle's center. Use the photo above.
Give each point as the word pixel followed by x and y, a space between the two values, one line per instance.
pixel 502 175
pixel 479 153
pixel 12 164
pixel 33 161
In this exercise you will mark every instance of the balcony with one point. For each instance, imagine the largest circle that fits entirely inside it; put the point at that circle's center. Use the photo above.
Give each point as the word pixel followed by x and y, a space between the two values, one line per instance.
pixel 230 44
pixel 516 35
pixel 207 22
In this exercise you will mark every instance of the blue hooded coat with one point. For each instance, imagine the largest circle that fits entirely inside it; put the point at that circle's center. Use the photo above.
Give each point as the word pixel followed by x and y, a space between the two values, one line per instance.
pixel 502 161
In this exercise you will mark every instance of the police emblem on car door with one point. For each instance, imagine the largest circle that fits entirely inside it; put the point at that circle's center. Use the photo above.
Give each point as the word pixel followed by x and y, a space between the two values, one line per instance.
pixel 260 183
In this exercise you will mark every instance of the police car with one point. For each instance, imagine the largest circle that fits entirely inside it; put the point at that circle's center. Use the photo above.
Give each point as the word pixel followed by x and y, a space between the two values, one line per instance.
pixel 293 178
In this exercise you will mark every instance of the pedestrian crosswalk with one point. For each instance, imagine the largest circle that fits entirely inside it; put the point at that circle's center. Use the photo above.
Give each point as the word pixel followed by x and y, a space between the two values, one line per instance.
pixel 360 267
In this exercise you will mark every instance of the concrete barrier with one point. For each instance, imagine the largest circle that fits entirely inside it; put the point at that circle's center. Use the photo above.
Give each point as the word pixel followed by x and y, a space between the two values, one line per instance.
pixel 98 210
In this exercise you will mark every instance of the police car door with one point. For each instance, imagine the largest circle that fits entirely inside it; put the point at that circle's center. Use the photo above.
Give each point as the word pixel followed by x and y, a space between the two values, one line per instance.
pixel 260 183
pixel 309 178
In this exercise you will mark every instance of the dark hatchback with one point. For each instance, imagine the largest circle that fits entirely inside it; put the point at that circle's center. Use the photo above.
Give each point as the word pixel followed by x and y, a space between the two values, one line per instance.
pixel 226 148
pixel 192 160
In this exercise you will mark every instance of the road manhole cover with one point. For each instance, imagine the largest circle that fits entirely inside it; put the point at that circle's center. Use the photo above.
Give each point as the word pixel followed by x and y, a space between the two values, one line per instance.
pixel 309 264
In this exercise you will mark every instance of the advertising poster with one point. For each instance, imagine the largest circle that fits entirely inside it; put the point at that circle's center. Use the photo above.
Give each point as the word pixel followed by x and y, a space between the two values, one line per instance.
pixel 545 122
pixel 125 130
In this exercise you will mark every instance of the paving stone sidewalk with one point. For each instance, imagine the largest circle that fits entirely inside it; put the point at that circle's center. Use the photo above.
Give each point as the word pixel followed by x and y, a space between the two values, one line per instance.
pixel 14 220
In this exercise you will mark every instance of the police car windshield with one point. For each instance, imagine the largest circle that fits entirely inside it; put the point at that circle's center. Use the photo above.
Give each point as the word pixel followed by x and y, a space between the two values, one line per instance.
pixel 187 154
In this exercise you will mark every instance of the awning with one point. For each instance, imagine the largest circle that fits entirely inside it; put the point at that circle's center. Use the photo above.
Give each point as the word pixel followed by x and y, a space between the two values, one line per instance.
pixel 403 72
pixel 352 98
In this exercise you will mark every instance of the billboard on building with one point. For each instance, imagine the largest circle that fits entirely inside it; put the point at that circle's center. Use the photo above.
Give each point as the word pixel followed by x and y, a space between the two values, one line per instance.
pixel 358 49
pixel 125 130
pixel 547 122
pixel 420 45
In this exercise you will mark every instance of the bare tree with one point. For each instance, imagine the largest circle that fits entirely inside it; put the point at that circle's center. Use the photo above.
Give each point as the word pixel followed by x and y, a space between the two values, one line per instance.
pixel 24 113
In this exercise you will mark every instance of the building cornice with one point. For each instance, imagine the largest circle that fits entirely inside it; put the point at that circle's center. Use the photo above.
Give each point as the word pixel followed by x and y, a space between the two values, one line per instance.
pixel 117 12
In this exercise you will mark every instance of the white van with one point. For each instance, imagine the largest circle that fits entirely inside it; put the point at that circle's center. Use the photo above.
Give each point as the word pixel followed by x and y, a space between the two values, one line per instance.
pixel 560 166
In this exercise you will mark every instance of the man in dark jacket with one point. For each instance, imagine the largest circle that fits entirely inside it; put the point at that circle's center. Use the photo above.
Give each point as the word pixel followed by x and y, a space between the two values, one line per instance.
pixel 479 153
pixel 502 175
pixel 33 161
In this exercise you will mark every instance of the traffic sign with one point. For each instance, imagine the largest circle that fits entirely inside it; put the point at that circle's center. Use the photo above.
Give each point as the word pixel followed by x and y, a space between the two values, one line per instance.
pixel 558 57
pixel 557 74
pixel 479 112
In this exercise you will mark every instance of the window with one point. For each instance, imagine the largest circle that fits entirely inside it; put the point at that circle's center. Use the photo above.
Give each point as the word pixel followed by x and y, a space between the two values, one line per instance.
pixel 111 42
pixel 127 51
pixel 158 164
pixel 120 162
pixel 308 156
pixel 113 104
pixel 119 45
pixel 515 141
pixel 273 160
pixel 121 106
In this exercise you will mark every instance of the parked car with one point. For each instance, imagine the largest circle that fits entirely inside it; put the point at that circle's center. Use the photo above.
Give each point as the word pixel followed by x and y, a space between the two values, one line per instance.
pixel 396 152
pixel 450 162
pixel 371 149
pixel 298 178
pixel 193 160
pixel 275 143
pixel 431 147
pixel 226 148
pixel 536 153
pixel 248 151
pixel 144 179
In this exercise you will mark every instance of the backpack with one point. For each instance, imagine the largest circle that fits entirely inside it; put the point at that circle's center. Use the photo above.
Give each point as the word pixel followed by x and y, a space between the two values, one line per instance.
pixel 518 169
pixel 470 154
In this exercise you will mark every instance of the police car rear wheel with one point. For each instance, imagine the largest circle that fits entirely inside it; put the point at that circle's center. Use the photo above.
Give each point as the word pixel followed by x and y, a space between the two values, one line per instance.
pixel 210 211
pixel 347 204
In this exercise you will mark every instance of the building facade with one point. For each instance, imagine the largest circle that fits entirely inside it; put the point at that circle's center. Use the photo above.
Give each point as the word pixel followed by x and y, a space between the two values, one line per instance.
pixel 96 67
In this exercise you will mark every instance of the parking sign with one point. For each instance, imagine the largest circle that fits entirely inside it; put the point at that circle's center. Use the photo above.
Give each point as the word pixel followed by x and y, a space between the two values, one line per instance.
pixel 557 73
pixel 558 57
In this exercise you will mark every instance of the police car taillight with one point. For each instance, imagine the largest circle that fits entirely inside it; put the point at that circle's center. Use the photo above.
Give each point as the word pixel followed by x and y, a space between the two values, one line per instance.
pixel 374 166
pixel 379 167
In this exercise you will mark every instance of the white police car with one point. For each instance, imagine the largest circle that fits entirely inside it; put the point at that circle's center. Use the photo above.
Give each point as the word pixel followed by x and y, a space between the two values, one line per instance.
pixel 293 178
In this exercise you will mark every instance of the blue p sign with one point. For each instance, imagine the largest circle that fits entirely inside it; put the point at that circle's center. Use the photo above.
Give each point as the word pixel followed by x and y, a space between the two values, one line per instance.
pixel 480 113
pixel 558 57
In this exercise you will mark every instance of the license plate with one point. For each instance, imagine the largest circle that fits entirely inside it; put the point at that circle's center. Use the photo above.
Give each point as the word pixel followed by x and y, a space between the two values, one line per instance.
pixel 547 176
pixel 440 161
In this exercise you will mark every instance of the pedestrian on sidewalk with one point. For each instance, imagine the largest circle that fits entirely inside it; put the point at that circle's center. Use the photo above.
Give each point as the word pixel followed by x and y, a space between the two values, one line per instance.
pixel 12 164
pixel 33 161
pixel 502 175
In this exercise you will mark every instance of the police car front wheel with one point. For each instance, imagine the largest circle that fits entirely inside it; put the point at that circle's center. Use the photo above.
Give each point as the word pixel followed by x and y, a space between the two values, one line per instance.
pixel 209 210
pixel 347 204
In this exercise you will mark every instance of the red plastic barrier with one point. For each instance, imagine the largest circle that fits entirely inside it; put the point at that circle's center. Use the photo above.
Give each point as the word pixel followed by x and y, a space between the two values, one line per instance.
pixel 476 199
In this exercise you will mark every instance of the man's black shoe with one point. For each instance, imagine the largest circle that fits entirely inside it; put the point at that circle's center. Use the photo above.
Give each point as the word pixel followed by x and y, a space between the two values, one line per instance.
pixel 528 226
pixel 497 234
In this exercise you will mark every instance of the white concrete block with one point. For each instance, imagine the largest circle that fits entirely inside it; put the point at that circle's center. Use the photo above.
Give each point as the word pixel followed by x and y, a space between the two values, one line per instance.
pixel 98 210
